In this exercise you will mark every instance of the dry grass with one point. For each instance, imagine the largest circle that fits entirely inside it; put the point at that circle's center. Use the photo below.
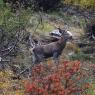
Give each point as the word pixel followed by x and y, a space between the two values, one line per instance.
pixel 9 86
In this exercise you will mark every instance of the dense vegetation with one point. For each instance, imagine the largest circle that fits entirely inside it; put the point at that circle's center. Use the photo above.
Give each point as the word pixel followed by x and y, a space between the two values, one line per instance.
pixel 81 3
pixel 45 5
pixel 66 79
pixel 19 19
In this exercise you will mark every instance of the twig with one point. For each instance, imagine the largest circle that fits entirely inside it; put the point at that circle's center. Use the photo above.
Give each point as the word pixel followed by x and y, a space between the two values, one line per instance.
pixel 40 21
pixel 9 49
pixel 28 68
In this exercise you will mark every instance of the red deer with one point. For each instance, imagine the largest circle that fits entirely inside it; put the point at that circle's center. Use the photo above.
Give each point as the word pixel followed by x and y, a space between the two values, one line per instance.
pixel 53 49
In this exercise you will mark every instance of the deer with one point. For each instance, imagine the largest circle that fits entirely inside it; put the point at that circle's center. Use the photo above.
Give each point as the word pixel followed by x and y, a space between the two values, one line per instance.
pixel 53 49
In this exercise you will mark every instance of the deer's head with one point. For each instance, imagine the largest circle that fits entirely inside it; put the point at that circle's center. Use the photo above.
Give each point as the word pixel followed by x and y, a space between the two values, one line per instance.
pixel 65 34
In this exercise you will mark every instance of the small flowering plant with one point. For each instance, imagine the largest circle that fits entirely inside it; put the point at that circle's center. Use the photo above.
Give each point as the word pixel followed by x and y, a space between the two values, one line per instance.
pixel 65 79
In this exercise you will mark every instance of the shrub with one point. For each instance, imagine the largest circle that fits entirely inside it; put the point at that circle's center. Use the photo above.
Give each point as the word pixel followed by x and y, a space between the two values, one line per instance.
pixel 80 56
pixel 81 3
pixel 35 4
pixel 90 29
pixel 46 5
pixel 65 79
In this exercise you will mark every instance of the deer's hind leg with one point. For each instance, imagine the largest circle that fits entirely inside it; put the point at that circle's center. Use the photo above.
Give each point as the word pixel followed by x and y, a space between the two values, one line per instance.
pixel 35 60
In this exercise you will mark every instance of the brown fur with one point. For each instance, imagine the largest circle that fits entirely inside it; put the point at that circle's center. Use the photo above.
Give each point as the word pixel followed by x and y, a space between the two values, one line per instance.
pixel 53 49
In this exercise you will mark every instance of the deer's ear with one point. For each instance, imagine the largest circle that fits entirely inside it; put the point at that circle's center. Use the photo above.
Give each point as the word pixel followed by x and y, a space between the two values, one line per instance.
pixel 62 31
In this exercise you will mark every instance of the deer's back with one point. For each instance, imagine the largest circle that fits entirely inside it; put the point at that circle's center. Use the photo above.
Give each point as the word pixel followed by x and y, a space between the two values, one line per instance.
pixel 48 49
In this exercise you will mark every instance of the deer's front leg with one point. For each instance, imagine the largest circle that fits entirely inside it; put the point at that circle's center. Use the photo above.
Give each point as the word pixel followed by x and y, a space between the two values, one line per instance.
pixel 56 58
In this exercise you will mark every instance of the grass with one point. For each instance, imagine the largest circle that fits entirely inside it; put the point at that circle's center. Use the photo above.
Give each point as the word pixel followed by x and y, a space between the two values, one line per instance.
pixel 41 26
pixel 91 91
pixel 11 20
pixel 81 3
pixel 47 27
pixel 9 86
pixel 81 56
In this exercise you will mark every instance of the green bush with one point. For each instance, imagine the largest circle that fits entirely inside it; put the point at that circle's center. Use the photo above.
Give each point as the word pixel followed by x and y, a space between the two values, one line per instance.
pixel 81 56
pixel 10 20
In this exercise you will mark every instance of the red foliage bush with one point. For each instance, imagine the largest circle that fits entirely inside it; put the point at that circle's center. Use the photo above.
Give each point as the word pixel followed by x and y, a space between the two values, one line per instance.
pixel 65 79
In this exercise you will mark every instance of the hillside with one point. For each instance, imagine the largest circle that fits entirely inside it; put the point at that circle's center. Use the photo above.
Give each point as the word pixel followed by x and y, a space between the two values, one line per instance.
pixel 27 24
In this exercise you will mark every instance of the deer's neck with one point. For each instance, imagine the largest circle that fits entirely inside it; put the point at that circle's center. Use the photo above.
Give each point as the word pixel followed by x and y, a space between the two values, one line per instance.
pixel 62 42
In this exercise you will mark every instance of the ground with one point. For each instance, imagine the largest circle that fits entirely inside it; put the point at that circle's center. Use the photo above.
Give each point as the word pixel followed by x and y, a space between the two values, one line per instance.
pixel 11 86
